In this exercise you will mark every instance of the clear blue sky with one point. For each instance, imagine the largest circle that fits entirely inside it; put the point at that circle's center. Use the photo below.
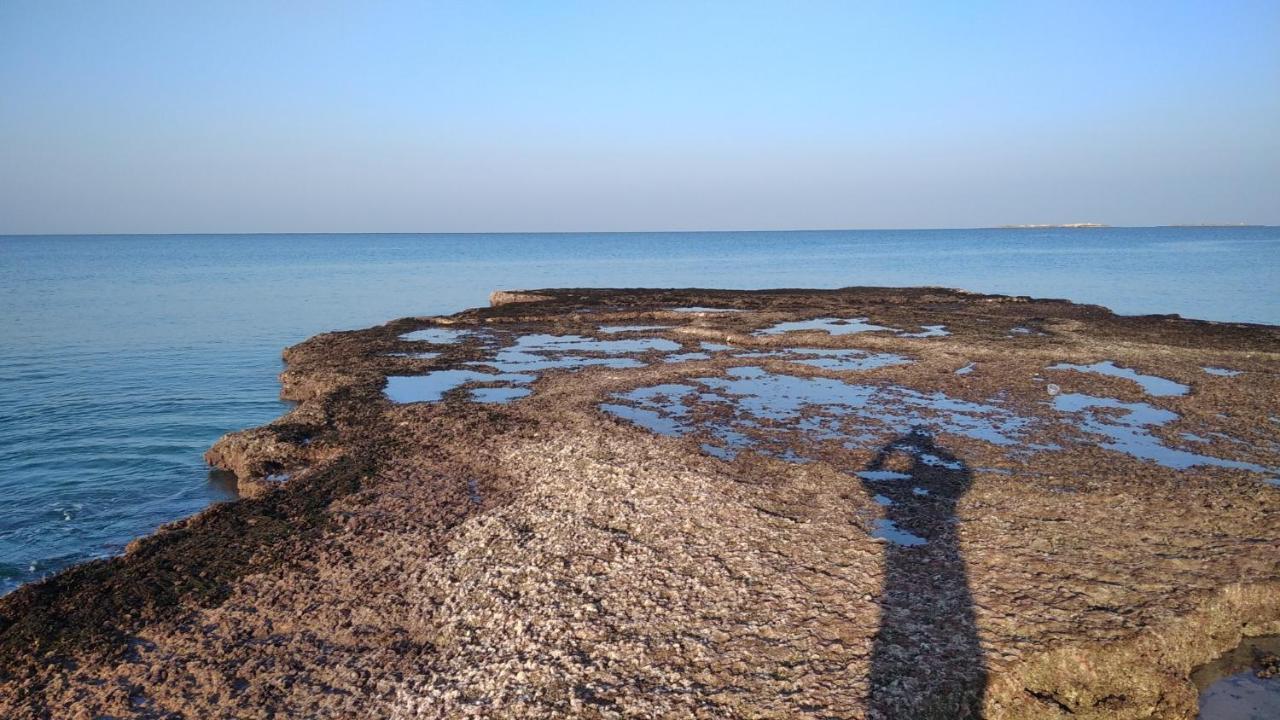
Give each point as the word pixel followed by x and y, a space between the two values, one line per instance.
pixel 486 116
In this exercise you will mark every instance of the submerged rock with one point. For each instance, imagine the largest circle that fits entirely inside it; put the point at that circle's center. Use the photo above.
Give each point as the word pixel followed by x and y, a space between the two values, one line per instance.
pixel 756 513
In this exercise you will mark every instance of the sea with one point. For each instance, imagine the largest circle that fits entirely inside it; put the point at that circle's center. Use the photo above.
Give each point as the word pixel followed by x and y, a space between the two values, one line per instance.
pixel 123 357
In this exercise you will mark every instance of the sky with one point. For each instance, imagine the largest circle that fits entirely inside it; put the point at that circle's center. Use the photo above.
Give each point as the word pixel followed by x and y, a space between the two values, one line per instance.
pixel 154 117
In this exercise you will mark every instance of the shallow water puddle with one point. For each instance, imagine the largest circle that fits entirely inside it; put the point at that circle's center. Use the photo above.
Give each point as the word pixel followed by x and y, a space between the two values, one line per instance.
pixel 500 395
pixel 432 386
pixel 541 343
pixel 519 363
pixel 537 352
pixel 934 460
pixel 531 362
pixel 882 475
pixel 1125 425
pixel 615 329
pixel 1221 372
pixel 1230 688
pixel 794 418
pixel 698 309
pixel 839 359
pixel 1152 384
pixel 847 359
pixel 928 331
pixel 686 357
pixel 889 531
pixel 830 325
pixel 436 335
pixel 966 369
pixel 648 419
pixel 717 452
pixel 785 416
pixel 849 326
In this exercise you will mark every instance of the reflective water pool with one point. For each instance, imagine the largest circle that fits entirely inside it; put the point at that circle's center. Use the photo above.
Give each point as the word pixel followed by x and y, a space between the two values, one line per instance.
pixel 1152 384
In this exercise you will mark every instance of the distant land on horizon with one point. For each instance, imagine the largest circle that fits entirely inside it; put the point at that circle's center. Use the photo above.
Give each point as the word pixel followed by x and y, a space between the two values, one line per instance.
pixel 1047 226
pixel 1092 225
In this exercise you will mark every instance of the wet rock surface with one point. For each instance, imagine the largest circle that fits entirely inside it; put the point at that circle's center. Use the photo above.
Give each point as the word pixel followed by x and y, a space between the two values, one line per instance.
pixel 879 503
pixel 1242 684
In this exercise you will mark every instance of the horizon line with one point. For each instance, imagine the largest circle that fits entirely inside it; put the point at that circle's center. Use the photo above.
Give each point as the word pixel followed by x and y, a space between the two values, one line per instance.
pixel 1083 227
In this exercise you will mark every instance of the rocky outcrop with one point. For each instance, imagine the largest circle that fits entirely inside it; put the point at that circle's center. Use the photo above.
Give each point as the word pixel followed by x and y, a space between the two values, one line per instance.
pixel 554 556
pixel 507 297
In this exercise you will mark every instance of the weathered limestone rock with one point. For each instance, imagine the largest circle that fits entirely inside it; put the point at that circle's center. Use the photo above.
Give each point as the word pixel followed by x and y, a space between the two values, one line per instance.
pixel 868 516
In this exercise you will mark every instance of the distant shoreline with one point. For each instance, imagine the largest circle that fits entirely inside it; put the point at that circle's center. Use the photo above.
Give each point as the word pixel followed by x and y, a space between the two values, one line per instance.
pixel 1095 226
pixel 1215 225
pixel 1069 226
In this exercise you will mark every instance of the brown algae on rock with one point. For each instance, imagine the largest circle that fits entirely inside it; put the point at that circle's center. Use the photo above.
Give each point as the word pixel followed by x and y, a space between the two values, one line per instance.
pixel 739 504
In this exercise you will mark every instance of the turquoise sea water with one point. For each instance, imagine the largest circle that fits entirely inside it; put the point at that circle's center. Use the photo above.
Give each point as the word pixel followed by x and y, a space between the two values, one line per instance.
pixel 122 358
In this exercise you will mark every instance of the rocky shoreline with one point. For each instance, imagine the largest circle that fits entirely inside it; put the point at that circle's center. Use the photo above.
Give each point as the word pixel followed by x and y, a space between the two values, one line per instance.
pixel 864 502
